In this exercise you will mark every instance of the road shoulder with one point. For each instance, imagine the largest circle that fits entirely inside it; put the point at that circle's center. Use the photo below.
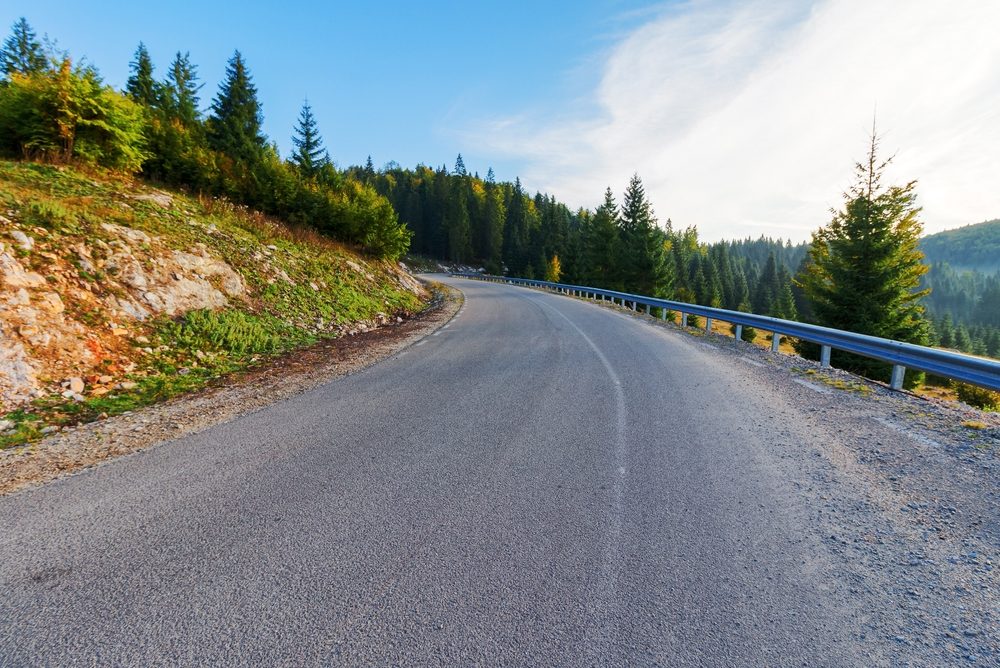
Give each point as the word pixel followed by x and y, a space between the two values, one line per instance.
pixel 73 450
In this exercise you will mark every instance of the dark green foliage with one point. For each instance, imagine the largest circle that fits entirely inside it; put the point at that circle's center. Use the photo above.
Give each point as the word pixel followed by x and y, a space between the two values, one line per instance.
pixel 234 128
pixel 641 261
pixel 141 85
pixel 864 267
pixel 977 396
pixel 180 91
pixel 971 247
pixel 22 53
pixel 64 114
pixel 309 156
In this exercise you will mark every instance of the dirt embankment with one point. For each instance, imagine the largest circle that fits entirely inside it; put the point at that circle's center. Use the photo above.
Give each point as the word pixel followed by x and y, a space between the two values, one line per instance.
pixel 114 295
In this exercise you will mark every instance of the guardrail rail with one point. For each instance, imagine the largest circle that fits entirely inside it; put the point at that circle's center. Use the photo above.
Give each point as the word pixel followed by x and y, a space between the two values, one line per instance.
pixel 956 366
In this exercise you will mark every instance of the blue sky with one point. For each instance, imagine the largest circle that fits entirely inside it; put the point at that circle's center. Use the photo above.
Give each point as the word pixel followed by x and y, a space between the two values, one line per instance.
pixel 390 79
pixel 743 117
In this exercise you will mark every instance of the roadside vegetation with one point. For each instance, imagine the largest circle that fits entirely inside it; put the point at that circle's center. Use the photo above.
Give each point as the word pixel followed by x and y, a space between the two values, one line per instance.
pixel 94 237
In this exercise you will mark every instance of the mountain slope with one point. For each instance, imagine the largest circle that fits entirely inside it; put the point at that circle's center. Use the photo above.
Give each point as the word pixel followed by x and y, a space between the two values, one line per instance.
pixel 114 295
pixel 970 247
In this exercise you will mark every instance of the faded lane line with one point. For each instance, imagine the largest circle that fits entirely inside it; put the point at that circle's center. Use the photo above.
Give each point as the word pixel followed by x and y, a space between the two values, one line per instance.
pixel 812 386
pixel 750 361
pixel 919 438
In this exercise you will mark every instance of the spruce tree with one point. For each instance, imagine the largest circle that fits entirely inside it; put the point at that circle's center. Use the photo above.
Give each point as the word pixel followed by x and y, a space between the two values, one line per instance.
pixel 865 266
pixel 309 155
pixel 235 125
pixel 141 86
pixel 181 90
pixel 600 245
pixel 460 167
pixel 641 258
pixel 22 53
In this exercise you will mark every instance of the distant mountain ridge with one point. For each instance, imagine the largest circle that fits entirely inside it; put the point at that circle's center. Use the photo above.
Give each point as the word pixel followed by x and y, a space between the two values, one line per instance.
pixel 973 247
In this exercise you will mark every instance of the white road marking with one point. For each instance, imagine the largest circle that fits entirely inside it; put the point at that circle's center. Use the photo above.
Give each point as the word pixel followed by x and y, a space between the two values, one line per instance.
pixel 919 438
pixel 750 361
pixel 813 386
pixel 421 342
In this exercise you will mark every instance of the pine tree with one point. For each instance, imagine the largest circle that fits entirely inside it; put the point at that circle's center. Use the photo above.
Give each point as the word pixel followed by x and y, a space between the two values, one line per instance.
pixel 600 245
pixel 180 91
pixel 235 125
pixel 141 85
pixel 309 156
pixel 22 53
pixel 641 257
pixel 460 167
pixel 490 176
pixel 865 266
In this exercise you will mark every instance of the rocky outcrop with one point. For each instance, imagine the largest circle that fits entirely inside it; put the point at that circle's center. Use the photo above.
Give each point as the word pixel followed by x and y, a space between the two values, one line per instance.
pixel 43 343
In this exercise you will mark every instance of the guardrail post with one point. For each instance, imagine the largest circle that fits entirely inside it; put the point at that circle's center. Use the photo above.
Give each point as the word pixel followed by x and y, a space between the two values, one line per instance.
pixel 898 372
pixel 633 305
pixel 739 332
pixel 663 313
pixel 775 341
pixel 684 319
pixel 708 325
pixel 824 357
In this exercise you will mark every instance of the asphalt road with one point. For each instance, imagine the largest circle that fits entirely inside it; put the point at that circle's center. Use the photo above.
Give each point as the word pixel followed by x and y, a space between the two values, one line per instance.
pixel 541 483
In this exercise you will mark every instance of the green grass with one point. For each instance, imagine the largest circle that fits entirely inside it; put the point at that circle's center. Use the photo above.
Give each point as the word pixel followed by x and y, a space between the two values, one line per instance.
pixel 297 292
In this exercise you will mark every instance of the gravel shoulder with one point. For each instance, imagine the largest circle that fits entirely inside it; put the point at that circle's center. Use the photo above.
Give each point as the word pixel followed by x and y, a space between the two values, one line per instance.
pixel 73 450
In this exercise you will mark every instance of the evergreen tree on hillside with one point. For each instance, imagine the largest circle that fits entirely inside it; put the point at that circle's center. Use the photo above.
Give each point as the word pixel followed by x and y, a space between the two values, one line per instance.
pixel 865 266
pixel 234 127
pixel 309 155
pixel 141 85
pixel 460 167
pixel 641 258
pixel 600 245
pixel 180 91
pixel 22 53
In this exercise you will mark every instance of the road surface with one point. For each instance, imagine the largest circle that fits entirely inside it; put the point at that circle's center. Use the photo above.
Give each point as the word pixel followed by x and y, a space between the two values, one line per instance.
pixel 541 483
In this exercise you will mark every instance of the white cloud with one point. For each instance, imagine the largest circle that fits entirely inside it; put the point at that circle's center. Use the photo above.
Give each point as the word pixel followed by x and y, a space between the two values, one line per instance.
pixel 745 118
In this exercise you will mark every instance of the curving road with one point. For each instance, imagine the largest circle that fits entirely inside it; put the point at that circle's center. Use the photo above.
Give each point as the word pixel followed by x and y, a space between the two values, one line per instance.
pixel 540 483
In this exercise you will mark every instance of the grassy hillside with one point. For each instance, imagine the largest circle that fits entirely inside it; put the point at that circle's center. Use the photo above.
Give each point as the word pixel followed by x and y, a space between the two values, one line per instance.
pixel 971 247
pixel 114 295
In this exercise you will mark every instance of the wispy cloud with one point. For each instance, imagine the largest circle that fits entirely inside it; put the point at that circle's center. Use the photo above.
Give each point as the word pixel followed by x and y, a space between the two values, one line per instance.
pixel 746 117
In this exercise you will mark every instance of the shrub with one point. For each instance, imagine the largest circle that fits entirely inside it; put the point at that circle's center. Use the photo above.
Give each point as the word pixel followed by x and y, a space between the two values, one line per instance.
pixel 977 396
pixel 68 113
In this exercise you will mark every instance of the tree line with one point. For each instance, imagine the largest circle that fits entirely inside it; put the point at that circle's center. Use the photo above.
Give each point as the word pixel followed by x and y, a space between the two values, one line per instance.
pixel 862 272
pixel 52 109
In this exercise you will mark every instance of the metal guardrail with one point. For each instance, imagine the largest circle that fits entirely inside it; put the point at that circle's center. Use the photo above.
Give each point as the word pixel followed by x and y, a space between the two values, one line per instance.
pixel 956 366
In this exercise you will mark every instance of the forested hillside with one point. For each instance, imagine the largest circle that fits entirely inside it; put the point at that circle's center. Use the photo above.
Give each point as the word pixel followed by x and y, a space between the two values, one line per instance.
pixel 55 109
pixel 973 247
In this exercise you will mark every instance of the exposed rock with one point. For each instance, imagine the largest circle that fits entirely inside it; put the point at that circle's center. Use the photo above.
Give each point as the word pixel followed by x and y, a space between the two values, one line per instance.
pixel 15 275
pixel 76 385
pixel 157 197
pixel 50 302
pixel 24 242
pixel 18 382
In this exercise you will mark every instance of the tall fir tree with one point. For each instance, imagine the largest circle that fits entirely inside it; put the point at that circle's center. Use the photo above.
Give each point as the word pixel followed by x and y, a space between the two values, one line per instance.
pixel 141 86
pixel 180 91
pixel 600 245
pixel 309 156
pixel 641 244
pixel 460 167
pixel 865 266
pixel 22 53
pixel 234 127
